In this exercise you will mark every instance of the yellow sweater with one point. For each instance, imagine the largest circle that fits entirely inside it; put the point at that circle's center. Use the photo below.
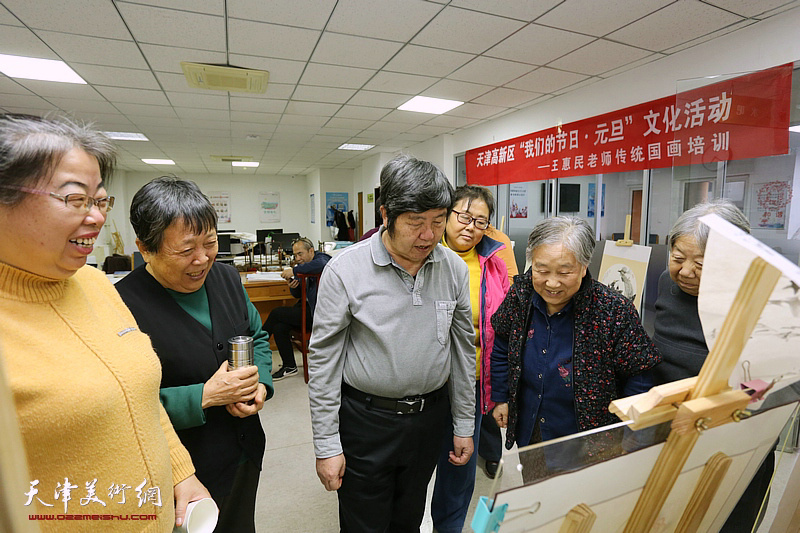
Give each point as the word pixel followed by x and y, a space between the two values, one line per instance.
pixel 85 382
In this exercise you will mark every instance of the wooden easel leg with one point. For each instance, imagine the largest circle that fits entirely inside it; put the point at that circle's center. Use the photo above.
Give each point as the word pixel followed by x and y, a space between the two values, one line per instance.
pixel 710 480
pixel 579 519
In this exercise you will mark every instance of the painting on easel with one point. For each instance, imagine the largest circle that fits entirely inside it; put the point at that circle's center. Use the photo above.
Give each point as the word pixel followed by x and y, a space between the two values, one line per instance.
pixel 685 451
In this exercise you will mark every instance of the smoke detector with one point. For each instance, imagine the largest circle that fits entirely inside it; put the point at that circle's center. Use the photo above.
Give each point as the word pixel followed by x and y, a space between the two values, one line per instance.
pixel 224 78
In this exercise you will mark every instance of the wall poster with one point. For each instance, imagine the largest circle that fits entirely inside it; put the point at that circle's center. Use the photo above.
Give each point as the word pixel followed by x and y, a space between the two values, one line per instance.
pixel 269 207
pixel 313 210
pixel 519 200
pixel 592 201
pixel 337 201
pixel 222 205
pixel 772 200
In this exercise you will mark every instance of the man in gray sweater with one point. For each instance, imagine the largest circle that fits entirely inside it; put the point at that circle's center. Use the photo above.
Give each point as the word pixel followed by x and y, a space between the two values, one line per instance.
pixel 391 354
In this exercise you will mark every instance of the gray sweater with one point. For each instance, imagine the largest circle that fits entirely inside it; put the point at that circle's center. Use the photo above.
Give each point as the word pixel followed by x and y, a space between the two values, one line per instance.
pixel 678 333
pixel 387 333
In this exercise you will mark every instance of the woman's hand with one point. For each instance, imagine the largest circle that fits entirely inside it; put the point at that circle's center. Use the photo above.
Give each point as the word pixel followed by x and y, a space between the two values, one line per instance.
pixel 500 414
pixel 225 387
pixel 187 491
pixel 243 410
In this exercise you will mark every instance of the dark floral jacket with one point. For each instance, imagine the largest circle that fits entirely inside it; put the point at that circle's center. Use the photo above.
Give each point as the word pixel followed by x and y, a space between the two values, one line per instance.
pixel 610 345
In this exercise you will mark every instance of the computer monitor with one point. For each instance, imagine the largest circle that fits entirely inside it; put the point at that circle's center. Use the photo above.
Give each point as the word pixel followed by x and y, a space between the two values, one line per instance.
pixel 224 242
pixel 284 241
pixel 262 234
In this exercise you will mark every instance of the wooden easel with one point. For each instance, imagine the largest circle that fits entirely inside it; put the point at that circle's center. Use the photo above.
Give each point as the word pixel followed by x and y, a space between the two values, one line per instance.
pixel 697 404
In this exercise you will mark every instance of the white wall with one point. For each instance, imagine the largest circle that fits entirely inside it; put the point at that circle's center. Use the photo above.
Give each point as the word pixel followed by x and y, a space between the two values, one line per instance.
pixel 243 189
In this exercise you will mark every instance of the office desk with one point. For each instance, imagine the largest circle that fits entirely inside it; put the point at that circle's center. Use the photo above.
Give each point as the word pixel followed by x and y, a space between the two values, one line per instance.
pixel 267 295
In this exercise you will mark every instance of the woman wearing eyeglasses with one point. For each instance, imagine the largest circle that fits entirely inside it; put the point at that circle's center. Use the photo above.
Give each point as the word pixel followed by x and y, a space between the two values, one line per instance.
pixel 488 277
pixel 84 378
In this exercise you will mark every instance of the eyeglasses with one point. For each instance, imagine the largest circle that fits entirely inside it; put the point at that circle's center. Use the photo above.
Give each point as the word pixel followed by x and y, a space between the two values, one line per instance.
pixel 467 219
pixel 77 201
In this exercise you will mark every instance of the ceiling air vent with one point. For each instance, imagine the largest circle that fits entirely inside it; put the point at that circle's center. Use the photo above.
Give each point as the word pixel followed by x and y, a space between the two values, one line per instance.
pixel 223 78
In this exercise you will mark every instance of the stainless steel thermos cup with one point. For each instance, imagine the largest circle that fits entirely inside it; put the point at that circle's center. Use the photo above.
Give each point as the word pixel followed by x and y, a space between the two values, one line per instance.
pixel 240 353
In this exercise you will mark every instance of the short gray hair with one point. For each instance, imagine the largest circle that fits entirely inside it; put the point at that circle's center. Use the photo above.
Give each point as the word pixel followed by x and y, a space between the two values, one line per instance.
pixel 411 185
pixel 575 234
pixel 689 225
pixel 165 200
pixel 32 147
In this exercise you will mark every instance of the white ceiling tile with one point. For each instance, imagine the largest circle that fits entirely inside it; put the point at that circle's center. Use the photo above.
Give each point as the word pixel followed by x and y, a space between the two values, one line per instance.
pixel 133 96
pixel 709 36
pixel 351 51
pixel 311 108
pixel 271 40
pixel 408 117
pixel 431 130
pixel 475 111
pixel 629 66
pixel 72 105
pixel 679 22
pixel 378 99
pixel 427 61
pixel 330 130
pixel 598 57
pixel 747 8
pixel 304 120
pixel 83 49
pixel 416 137
pixel 463 91
pixel 333 76
pixel 209 7
pixel 147 112
pixel 220 117
pixel 168 58
pixel 598 18
pixel 334 95
pixel 504 97
pixel 216 100
pixel 171 27
pixel 9 86
pixel 25 100
pixel 538 45
pixel 451 122
pixel 366 113
pixel 778 10
pixel 176 83
pixel 397 20
pixel 19 41
pixel 455 29
pixel 302 13
pixel 400 83
pixel 516 9
pixel 246 125
pixel 349 123
pixel 280 70
pixel 6 18
pixel 391 127
pixel 373 137
pixel 61 90
pixel 116 76
pixel 87 17
pixel 262 105
pixel 577 85
pixel 484 69
pixel 545 80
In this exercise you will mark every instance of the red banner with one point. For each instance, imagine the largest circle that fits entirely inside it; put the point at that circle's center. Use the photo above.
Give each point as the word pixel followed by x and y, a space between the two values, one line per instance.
pixel 739 118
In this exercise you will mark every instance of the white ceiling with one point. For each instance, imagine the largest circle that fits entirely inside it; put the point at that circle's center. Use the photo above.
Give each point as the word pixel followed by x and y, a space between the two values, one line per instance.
pixel 338 68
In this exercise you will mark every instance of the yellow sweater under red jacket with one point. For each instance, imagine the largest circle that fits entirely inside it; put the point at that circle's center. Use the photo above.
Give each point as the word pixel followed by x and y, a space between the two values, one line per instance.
pixel 85 382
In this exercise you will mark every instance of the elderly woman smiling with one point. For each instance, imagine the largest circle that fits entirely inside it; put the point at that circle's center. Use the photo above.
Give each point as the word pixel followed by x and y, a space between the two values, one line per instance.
pixel 84 378
pixel 565 345
pixel 190 306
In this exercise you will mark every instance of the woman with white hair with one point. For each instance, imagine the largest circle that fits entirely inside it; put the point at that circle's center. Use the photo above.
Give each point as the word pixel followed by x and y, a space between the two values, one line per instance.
pixel 565 345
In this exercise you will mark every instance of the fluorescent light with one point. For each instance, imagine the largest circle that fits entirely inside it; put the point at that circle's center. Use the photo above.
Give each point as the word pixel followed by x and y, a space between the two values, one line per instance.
pixel 349 146
pixel 424 104
pixel 244 163
pixel 31 68
pixel 159 161
pixel 795 129
pixel 125 136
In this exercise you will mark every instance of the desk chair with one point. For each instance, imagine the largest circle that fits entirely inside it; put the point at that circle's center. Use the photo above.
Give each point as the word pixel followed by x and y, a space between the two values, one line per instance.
pixel 303 336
